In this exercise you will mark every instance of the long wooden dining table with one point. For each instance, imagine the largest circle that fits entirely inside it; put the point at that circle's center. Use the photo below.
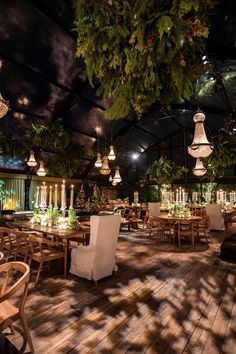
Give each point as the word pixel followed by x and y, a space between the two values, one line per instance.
pixel 65 235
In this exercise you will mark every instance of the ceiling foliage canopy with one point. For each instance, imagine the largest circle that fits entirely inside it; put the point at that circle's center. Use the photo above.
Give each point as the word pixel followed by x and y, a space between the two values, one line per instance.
pixel 139 53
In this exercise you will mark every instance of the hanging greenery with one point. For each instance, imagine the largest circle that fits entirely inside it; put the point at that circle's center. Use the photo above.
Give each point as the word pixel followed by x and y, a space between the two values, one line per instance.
pixel 141 52
pixel 222 157
pixel 52 136
pixel 164 171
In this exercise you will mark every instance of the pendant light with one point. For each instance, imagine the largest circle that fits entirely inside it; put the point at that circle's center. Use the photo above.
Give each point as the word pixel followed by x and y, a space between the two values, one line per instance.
pixel 105 169
pixel 98 162
pixel 110 178
pixel 111 155
pixel 199 169
pixel 31 162
pixel 41 171
pixel 114 183
pixel 117 176
pixel 4 106
pixel 200 146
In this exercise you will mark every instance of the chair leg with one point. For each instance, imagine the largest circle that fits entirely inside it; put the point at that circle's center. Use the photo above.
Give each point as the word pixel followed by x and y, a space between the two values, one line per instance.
pixel 12 329
pixel 26 330
pixel 179 240
pixel 38 274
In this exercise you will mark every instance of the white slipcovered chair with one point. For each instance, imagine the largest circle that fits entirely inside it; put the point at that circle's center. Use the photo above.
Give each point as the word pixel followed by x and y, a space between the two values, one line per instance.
pixel 154 212
pixel 97 260
pixel 216 220
pixel 154 209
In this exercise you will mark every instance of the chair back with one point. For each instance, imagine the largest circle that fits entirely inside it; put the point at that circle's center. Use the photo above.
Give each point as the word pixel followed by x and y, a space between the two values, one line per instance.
pixel 154 209
pixel 104 234
pixel 8 291
pixel 216 220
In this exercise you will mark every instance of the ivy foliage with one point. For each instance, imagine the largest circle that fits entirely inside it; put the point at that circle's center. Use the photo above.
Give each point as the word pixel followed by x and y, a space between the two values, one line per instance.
pixel 222 157
pixel 164 171
pixel 141 52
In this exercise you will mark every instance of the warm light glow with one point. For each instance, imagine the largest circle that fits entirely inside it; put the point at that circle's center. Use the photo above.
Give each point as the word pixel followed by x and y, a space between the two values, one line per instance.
pixel 98 162
pixel 4 106
pixel 117 178
pixel 32 162
pixel 199 169
pixel 200 146
pixel 111 155
pixel 105 169
pixel 41 171
pixel 110 178
pixel 114 183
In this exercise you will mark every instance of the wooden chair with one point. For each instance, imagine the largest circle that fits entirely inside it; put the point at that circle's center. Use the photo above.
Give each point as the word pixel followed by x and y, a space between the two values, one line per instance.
pixel 7 241
pixel 185 229
pixel 8 311
pixel 203 228
pixel 23 246
pixel 44 250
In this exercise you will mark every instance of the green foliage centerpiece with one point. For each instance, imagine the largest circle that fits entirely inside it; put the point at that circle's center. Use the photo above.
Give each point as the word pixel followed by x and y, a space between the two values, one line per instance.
pixel 141 52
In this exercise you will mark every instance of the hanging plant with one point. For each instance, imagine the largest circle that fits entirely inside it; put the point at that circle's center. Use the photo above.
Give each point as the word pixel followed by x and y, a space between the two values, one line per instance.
pixel 222 157
pixel 139 53
pixel 164 171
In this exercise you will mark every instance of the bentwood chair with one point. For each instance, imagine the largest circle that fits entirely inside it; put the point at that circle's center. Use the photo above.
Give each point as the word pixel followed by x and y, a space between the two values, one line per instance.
pixel 44 250
pixel 9 311
pixel 7 241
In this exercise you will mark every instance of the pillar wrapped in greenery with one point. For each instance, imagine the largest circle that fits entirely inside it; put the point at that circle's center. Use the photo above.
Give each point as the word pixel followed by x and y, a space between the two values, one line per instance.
pixel 141 52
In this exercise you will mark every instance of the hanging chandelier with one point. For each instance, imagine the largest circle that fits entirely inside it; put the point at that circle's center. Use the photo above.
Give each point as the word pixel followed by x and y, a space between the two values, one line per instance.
pixel 114 183
pixel 41 171
pixel 111 155
pixel 105 169
pixel 98 162
pixel 200 146
pixel 117 178
pixel 4 106
pixel 110 178
pixel 199 169
pixel 31 162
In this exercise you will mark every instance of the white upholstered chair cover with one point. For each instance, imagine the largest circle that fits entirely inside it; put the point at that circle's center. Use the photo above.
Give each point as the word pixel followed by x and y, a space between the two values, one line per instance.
pixel 154 209
pixel 216 220
pixel 97 260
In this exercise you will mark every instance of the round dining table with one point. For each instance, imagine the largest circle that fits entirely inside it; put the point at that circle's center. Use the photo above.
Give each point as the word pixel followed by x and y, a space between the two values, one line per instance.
pixel 176 218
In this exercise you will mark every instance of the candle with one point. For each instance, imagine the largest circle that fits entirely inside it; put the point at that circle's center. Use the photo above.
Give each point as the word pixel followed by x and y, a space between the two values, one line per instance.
pixel 37 198
pixel 50 197
pixel 45 196
pixel 72 197
pixel 41 197
pixel 55 197
pixel 177 196
pixel 63 196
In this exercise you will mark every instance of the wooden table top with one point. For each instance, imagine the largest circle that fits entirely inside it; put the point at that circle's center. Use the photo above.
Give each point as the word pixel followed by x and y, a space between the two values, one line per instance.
pixel 190 218
pixel 66 234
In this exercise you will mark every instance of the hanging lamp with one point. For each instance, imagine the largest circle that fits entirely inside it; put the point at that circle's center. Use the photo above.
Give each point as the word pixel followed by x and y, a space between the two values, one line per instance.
pixel 114 183
pixel 4 106
pixel 200 146
pixel 117 176
pixel 98 162
pixel 41 171
pixel 31 162
pixel 110 178
pixel 105 169
pixel 199 169
pixel 111 155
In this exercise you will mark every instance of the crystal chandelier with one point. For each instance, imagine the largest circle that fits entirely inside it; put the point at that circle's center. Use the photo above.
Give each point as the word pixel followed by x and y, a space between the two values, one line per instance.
pixel 41 171
pixel 200 146
pixel 4 106
pixel 31 162
pixel 111 155
pixel 117 178
pixel 98 162
pixel 199 169
pixel 105 169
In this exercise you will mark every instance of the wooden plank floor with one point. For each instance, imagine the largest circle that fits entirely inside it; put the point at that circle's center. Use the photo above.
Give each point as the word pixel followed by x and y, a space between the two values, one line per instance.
pixel 163 300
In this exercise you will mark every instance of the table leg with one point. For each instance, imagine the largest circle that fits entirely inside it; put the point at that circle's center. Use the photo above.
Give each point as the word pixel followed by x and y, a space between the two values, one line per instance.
pixel 66 256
